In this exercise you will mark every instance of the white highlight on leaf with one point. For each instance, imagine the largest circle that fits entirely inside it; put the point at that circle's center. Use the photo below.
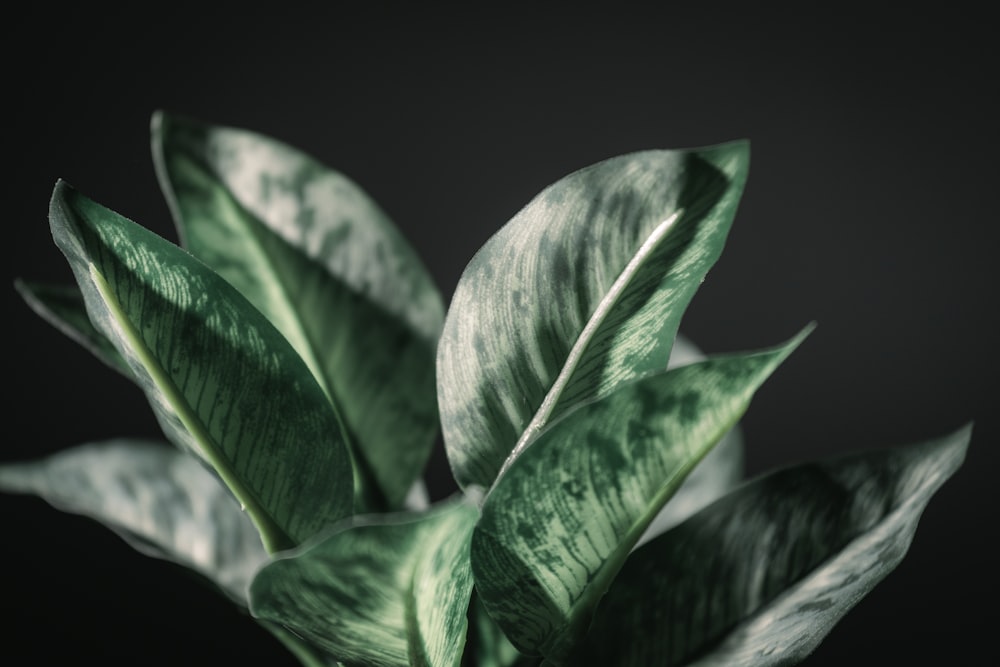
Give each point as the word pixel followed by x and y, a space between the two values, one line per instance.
pixel 583 340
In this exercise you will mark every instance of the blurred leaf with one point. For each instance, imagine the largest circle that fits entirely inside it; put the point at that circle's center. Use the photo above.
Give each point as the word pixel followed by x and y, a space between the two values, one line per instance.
pixel 488 644
pixel 560 522
pixel 221 379
pixel 760 577
pixel 580 293
pixel 62 306
pixel 307 654
pixel 390 590
pixel 160 500
pixel 315 254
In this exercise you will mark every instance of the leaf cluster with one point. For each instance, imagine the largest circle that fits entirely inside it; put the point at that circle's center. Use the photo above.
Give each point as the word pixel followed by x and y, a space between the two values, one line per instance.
pixel 302 365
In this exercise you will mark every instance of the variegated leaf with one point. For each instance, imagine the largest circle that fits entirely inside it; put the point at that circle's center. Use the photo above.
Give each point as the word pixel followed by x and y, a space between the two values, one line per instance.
pixel 760 577
pixel 160 500
pixel 714 476
pixel 560 522
pixel 221 379
pixel 315 254
pixel 580 293
pixel 390 590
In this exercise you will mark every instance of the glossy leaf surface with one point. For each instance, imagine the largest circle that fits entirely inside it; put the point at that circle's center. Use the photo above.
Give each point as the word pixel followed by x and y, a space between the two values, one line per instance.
pixel 314 253
pixel 560 522
pixel 581 292
pixel 391 592
pixel 62 306
pixel 160 500
pixel 221 379
pixel 760 577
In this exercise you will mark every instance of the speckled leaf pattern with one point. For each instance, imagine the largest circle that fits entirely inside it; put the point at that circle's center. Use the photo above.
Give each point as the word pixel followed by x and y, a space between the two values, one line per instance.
pixel 222 381
pixel 314 253
pixel 160 500
pixel 62 306
pixel 560 522
pixel 714 476
pixel 759 578
pixel 393 591
pixel 581 292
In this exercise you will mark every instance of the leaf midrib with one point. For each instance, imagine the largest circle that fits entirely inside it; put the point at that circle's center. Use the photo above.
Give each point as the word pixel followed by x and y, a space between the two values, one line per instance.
pixel 272 535
pixel 605 575
pixel 604 307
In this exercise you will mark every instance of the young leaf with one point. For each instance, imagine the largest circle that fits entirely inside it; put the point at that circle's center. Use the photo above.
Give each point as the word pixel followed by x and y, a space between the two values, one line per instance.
pixel 315 254
pixel 62 306
pixel 391 592
pixel 580 293
pixel 560 522
pixel 760 577
pixel 221 379
pixel 159 499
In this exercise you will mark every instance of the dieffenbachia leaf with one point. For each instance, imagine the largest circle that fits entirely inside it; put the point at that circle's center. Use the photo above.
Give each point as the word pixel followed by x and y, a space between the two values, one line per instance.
pixel 487 643
pixel 315 254
pixel 391 592
pixel 760 577
pixel 62 306
pixel 579 293
pixel 222 381
pixel 714 476
pixel 160 500
pixel 560 522
pixel 307 654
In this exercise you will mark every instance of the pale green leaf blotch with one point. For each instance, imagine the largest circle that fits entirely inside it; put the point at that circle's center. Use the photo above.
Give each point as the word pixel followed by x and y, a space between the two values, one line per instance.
pixel 581 292
pixel 160 500
pixel 389 590
pixel 314 253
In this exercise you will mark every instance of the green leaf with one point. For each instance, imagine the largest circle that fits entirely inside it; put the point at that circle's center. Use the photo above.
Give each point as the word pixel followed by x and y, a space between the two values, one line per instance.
pixel 714 476
pixel 489 646
pixel 222 381
pixel 161 501
pixel 390 590
pixel 315 254
pixel 307 654
pixel 760 577
pixel 580 293
pixel 62 306
pixel 561 521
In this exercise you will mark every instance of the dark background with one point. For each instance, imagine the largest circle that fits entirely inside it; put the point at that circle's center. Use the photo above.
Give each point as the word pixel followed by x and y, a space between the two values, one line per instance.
pixel 869 209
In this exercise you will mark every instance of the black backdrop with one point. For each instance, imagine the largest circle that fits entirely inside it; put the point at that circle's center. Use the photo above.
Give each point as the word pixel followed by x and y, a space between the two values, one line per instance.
pixel 868 209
